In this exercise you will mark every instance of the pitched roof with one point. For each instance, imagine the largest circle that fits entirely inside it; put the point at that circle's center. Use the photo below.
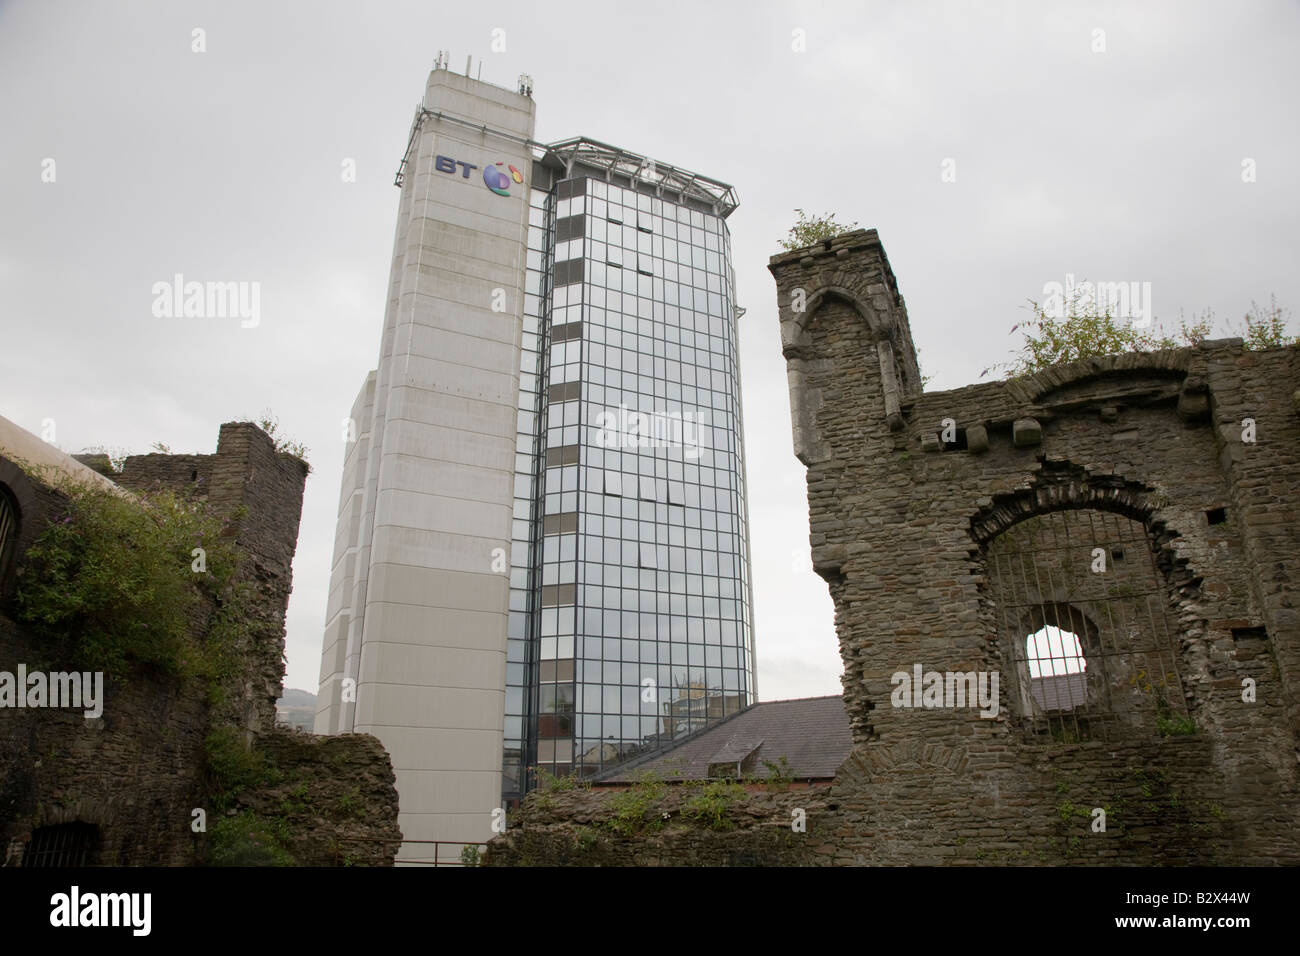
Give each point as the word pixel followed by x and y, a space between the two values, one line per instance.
pixel 21 446
pixel 812 733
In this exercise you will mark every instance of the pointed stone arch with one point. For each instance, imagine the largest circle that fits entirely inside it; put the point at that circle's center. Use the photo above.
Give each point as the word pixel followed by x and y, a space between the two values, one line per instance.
pixel 872 301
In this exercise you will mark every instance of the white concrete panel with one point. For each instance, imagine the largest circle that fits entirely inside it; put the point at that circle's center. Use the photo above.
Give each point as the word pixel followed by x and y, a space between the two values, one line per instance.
pixel 451 791
pixel 424 748
pixel 449 708
pixel 472 315
pixel 435 667
pixel 472 827
pixel 491 385
pixel 453 480
pixel 435 549
pixel 432 587
pixel 471 351
pixel 433 511
pixel 447 442
pixel 436 626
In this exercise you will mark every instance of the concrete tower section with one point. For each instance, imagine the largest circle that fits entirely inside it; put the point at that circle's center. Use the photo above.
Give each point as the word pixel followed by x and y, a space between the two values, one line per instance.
pixel 415 646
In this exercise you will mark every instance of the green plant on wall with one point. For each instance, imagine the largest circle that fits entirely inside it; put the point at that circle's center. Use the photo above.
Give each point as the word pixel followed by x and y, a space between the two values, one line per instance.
pixel 114 579
pixel 351 804
pixel 1169 723
pixel 283 443
pixel 713 804
pixel 779 773
pixel 246 839
pixel 552 783
pixel 810 230
pixel 638 807
pixel 233 767
pixel 1082 327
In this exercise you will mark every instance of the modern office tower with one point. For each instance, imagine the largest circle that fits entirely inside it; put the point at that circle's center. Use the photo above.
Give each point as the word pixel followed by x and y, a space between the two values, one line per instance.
pixel 542 554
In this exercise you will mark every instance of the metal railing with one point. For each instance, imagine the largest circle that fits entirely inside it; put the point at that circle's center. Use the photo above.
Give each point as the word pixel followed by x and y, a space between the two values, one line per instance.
pixel 441 857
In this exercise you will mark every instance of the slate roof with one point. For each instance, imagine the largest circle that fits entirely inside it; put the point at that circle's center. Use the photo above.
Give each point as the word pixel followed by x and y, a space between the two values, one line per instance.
pixel 1060 691
pixel 812 733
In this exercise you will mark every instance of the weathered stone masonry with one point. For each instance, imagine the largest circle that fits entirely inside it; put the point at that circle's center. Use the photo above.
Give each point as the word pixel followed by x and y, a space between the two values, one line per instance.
pixel 137 772
pixel 902 523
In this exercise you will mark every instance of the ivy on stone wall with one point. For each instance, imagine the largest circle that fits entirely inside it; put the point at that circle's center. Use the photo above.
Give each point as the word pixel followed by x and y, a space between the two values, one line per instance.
pixel 115 580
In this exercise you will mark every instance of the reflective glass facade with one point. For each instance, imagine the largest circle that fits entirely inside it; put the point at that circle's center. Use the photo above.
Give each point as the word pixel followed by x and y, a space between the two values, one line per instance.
pixel 630 608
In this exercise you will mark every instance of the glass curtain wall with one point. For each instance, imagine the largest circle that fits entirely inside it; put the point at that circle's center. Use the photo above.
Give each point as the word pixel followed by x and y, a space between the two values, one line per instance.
pixel 642 627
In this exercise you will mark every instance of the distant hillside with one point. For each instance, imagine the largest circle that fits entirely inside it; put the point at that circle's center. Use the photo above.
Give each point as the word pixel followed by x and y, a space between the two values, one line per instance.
pixel 297 708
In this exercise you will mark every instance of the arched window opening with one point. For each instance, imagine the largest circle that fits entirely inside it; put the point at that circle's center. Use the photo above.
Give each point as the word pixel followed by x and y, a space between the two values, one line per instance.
pixel 1057 669
pixel 1085 626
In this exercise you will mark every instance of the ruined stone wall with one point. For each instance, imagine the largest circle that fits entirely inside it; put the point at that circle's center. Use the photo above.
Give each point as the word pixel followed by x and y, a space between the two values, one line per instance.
pixel 659 826
pixel 260 491
pixel 176 472
pixel 333 798
pixel 140 770
pixel 904 508
pixel 135 771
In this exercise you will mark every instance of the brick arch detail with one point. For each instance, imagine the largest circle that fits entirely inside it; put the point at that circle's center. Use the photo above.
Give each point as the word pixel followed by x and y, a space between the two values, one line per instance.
pixel 1062 486
pixel 1059 486
pixel 1034 388
pixel 102 812
pixel 865 764
pixel 846 289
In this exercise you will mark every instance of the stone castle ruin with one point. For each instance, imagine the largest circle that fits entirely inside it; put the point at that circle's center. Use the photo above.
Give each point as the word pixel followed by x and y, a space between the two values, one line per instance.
pixel 124 783
pixel 1116 538
pixel 1066 603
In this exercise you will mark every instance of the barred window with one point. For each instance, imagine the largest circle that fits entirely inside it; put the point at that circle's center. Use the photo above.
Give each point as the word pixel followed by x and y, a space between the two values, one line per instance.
pixel 1085 626
pixel 63 844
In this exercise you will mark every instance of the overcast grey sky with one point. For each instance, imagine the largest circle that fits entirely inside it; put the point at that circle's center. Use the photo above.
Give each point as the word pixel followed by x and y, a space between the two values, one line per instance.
pixel 1123 163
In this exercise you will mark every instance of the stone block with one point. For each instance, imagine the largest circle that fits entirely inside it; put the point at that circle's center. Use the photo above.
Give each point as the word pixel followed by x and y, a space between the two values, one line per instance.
pixel 1026 432
pixel 1193 407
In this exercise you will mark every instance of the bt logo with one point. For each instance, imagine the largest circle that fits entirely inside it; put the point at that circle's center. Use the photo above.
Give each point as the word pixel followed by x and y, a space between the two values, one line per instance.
pixel 497 181
pixel 445 164
pixel 493 178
